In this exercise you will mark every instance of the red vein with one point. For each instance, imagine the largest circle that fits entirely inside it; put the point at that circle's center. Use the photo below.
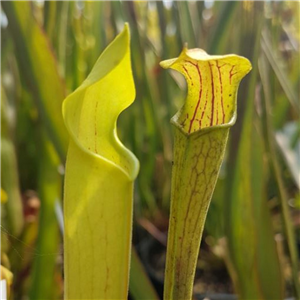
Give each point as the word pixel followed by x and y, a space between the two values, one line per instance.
pixel 188 74
pixel 200 94
pixel 202 115
pixel 194 170
pixel 222 65
pixel 107 268
pixel 96 107
pixel 231 74
pixel 213 95
pixel 221 84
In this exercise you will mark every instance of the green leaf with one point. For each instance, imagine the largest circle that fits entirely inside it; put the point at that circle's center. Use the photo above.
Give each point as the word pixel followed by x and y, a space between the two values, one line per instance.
pixel 280 72
pixel 252 254
pixel 99 180
pixel 291 153
pixel 225 19
pixel 13 214
pixel 201 132
pixel 39 69
pixel 43 283
pixel 140 285
pixel 282 193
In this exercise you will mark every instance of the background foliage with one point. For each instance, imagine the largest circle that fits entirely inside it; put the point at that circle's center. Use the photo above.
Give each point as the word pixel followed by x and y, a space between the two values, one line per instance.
pixel 252 231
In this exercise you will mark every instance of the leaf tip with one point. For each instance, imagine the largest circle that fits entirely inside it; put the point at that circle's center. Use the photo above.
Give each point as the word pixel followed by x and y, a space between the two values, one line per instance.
pixel 126 30
pixel 166 64
pixel 245 65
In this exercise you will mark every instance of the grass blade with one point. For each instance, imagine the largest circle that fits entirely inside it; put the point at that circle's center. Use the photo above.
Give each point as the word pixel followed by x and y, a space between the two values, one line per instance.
pixel 9 175
pixel 280 73
pixel 271 148
pixel 140 286
pixel 39 69
pixel 43 283
pixel 254 263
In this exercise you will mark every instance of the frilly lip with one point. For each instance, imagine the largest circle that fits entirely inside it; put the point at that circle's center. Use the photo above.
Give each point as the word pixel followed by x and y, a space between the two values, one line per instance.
pixel 198 55
pixel 102 68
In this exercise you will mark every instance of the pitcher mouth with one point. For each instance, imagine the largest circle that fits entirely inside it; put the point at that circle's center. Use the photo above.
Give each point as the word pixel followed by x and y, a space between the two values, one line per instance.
pixel 212 82
pixel 85 110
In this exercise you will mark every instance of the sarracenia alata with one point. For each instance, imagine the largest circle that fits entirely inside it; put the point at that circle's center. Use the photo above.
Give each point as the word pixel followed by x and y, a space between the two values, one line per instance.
pixel 201 131
pixel 99 180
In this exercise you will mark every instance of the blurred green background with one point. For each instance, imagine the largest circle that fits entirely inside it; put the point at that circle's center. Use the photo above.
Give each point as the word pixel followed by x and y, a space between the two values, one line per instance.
pixel 252 236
